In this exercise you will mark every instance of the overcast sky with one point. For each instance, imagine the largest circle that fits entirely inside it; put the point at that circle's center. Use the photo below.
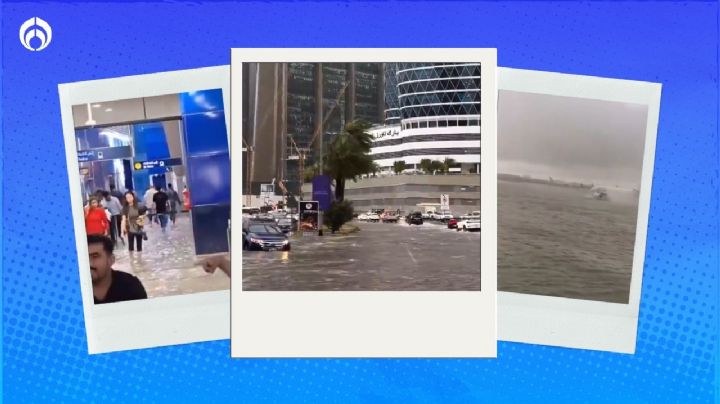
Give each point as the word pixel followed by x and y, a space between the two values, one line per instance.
pixel 569 138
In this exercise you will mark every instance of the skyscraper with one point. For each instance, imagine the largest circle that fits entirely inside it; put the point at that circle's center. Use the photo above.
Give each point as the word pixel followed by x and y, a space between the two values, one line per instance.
pixel 290 110
pixel 432 111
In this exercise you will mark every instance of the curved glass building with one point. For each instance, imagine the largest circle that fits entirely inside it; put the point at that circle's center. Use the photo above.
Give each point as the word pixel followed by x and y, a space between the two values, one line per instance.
pixel 432 112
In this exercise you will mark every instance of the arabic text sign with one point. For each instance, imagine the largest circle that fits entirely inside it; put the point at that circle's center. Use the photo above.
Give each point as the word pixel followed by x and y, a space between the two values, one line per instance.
pixel 144 165
pixel 104 153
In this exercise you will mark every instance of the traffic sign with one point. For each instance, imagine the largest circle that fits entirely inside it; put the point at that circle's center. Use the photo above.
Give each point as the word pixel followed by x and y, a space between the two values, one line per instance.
pixel 444 202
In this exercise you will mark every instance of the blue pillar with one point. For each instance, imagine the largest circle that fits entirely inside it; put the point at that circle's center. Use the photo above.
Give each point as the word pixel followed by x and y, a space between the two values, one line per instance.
pixel 208 168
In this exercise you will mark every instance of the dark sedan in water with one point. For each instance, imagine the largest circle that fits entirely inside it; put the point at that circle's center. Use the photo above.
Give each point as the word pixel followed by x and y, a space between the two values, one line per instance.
pixel 264 237
pixel 414 218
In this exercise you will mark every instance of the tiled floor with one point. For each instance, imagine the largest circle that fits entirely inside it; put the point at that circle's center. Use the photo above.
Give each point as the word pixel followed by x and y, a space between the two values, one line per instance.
pixel 167 264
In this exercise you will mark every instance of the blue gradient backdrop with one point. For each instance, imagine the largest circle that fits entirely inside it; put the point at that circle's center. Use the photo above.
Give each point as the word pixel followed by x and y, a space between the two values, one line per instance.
pixel 676 44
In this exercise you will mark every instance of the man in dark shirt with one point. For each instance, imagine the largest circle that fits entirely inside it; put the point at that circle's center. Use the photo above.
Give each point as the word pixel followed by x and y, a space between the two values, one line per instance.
pixel 114 192
pixel 161 207
pixel 109 285
pixel 174 200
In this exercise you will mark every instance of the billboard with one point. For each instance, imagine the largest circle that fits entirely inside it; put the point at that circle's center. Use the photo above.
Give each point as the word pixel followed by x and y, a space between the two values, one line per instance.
pixel 309 214
pixel 321 191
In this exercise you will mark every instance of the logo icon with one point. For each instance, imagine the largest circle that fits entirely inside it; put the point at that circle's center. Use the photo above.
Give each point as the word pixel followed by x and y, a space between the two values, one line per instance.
pixel 308 206
pixel 38 30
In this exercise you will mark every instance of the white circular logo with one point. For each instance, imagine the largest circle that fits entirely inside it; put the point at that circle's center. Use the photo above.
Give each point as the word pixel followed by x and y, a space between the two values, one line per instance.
pixel 38 29
pixel 308 205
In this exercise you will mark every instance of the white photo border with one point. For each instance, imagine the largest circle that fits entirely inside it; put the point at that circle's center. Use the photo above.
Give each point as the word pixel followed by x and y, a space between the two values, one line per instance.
pixel 577 323
pixel 158 321
pixel 373 324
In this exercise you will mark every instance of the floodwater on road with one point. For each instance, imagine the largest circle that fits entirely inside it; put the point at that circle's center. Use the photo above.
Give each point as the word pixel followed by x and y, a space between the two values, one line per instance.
pixel 557 241
pixel 167 266
pixel 380 257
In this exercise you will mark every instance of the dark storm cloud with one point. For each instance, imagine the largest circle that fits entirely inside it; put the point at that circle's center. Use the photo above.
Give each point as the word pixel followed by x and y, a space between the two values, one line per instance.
pixel 573 138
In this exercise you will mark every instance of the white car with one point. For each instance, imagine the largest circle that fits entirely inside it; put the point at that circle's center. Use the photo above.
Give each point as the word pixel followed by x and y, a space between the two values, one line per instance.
pixel 446 215
pixel 373 217
pixel 363 216
pixel 469 225
pixel 428 214
pixel 472 215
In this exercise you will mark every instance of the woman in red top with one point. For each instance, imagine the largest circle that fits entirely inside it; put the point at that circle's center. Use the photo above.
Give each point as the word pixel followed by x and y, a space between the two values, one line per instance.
pixel 96 221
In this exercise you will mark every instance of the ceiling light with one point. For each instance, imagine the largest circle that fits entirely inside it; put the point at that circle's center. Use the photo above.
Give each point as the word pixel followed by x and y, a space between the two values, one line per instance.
pixel 90 121
pixel 108 109
pixel 97 105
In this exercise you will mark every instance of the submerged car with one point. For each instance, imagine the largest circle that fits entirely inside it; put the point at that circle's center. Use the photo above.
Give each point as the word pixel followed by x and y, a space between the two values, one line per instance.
pixel 414 218
pixel 469 225
pixel 286 225
pixel 373 217
pixel 452 223
pixel 389 217
pixel 264 237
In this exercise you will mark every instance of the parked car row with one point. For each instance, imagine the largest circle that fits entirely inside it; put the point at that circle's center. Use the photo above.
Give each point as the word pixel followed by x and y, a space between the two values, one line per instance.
pixel 471 215
pixel 375 216
pixel 466 222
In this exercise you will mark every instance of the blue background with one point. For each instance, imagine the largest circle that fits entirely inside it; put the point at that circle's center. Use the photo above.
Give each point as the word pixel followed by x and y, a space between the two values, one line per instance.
pixel 676 44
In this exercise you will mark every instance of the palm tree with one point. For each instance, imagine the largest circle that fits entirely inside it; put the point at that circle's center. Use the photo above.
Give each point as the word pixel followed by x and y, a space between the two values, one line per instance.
pixel 399 166
pixel 348 157
pixel 435 166
pixel 426 165
pixel 447 164
pixel 310 173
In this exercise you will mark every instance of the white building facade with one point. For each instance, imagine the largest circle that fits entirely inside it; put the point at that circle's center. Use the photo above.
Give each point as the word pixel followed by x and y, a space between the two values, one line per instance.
pixel 438 106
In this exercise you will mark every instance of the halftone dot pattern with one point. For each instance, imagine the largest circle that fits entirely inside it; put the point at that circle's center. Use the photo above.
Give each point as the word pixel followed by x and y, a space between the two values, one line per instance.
pixel 45 351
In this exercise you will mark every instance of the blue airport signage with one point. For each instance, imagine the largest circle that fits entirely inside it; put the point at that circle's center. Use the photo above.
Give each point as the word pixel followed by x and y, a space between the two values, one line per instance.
pixel 144 165
pixel 321 191
pixel 104 153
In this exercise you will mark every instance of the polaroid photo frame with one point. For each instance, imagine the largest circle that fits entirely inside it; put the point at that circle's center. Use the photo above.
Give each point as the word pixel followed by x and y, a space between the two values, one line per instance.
pixel 371 323
pixel 573 322
pixel 158 321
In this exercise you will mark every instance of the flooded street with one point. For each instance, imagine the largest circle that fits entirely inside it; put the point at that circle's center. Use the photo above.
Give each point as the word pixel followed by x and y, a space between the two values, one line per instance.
pixel 380 257
pixel 166 266
pixel 555 241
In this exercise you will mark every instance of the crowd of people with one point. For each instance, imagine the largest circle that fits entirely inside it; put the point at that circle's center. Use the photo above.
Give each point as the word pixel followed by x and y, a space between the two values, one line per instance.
pixel 110 216
pixel 116 215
